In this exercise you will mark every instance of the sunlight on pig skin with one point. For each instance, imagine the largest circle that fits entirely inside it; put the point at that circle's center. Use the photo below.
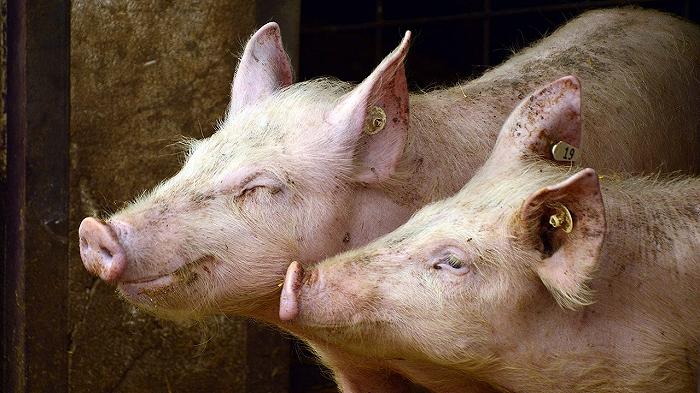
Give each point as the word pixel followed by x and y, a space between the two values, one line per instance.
pixel 291 173
pixel 483 287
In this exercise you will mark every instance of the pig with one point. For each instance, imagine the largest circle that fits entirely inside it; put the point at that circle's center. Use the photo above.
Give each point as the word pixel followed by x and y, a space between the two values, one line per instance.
pixel 303 171
pixel 536 276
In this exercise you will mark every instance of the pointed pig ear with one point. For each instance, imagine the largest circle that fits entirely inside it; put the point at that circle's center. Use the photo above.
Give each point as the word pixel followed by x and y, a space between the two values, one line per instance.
pixel 566 224
pixel 264 68
pixel 548 116
pixel 372 120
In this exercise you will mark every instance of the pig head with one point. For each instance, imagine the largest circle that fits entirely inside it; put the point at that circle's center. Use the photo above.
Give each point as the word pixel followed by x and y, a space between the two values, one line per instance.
pixel 451 285
pixel 289 175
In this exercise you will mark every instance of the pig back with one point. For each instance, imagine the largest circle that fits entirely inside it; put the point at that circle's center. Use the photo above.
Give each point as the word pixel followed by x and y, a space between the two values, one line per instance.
pixel 640 75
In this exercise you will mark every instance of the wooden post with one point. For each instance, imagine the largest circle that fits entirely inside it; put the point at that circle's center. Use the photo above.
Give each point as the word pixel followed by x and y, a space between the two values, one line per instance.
pixel 35 280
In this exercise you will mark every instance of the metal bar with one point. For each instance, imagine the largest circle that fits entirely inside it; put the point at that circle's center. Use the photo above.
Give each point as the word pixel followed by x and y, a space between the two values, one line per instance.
pixel 35 297
pixel 486 26
pixel 470 15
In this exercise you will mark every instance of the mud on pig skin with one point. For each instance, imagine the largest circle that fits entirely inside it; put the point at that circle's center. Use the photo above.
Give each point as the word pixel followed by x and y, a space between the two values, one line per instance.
pixel 296 171
pixel 485 288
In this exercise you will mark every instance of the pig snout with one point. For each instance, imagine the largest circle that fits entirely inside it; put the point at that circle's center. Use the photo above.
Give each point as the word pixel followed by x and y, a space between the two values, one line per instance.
pixel 100 250
pixel 289 298
pixel 318 298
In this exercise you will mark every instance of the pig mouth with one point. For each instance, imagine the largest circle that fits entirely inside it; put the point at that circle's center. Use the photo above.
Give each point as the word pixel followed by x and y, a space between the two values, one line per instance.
pixel 151 282
pixel 357 323
pixel 161 284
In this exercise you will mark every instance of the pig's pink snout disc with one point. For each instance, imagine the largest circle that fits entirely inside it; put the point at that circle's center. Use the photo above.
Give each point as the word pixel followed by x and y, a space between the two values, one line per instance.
pixel 289 298
pixel 100 250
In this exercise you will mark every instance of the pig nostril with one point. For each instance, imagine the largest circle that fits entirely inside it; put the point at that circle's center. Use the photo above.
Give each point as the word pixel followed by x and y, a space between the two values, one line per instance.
pixel 106 254
pixel 100 249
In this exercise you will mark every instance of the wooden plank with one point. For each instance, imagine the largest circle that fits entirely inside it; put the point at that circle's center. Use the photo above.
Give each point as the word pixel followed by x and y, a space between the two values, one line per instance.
pixel 36 263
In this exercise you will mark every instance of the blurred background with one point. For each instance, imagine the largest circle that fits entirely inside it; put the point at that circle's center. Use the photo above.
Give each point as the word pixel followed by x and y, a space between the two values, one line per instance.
pixel 94 94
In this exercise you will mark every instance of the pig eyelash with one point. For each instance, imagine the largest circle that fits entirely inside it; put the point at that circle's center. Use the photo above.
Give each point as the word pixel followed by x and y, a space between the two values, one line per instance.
pixel 257 182
pixel 453 264
pixel 250 190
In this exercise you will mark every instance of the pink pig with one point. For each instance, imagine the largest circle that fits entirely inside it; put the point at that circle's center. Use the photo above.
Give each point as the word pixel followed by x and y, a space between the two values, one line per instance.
pixel 533 278
pixel 305 171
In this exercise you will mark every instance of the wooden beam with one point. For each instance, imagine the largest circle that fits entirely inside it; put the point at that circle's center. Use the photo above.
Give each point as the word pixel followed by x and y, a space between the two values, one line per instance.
pixel 35 287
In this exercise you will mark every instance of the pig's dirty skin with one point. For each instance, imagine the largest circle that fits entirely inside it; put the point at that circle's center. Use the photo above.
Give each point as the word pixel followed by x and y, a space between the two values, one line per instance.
pixel 481 287
pixel 297 172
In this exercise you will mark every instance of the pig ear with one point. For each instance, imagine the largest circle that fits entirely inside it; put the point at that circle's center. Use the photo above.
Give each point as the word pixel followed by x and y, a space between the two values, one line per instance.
pixel 264 68
pixel 371 121
pixel 568 258
pixel 548 116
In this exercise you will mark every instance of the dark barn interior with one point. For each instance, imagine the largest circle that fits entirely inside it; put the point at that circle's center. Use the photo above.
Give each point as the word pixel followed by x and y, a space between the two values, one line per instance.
pixel 94 96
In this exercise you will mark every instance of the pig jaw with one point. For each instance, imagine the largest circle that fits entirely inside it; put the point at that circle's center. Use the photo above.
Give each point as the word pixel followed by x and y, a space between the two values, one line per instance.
pixel 341 309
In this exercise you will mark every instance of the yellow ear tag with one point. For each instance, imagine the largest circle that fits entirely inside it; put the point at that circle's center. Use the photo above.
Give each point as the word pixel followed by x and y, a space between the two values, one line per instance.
pixel 562 219
pixel 563 151
pixel 376 120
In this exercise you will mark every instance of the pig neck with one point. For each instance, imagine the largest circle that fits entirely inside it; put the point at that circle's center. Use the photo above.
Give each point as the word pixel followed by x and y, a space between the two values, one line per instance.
pixel 645 324
pixel 450 136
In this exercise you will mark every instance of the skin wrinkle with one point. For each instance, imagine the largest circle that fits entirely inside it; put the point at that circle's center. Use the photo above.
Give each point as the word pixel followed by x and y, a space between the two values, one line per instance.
pixel 288 135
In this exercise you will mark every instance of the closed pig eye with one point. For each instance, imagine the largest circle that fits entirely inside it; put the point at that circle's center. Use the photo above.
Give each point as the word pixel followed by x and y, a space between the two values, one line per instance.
pixel 453 264
pixel 261 182
pixel 245 181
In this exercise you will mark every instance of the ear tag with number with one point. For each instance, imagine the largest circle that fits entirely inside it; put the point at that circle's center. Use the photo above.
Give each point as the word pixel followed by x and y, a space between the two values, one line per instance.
pixel 563 151
pixel 376 120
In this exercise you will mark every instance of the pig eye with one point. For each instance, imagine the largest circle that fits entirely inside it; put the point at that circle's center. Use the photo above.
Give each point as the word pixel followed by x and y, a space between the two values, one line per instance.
pixel 452 263
pixel 261 182
pixel 245 181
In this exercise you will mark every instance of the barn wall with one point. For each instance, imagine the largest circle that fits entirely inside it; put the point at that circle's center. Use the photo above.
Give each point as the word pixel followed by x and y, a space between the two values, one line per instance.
pixel 142 75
